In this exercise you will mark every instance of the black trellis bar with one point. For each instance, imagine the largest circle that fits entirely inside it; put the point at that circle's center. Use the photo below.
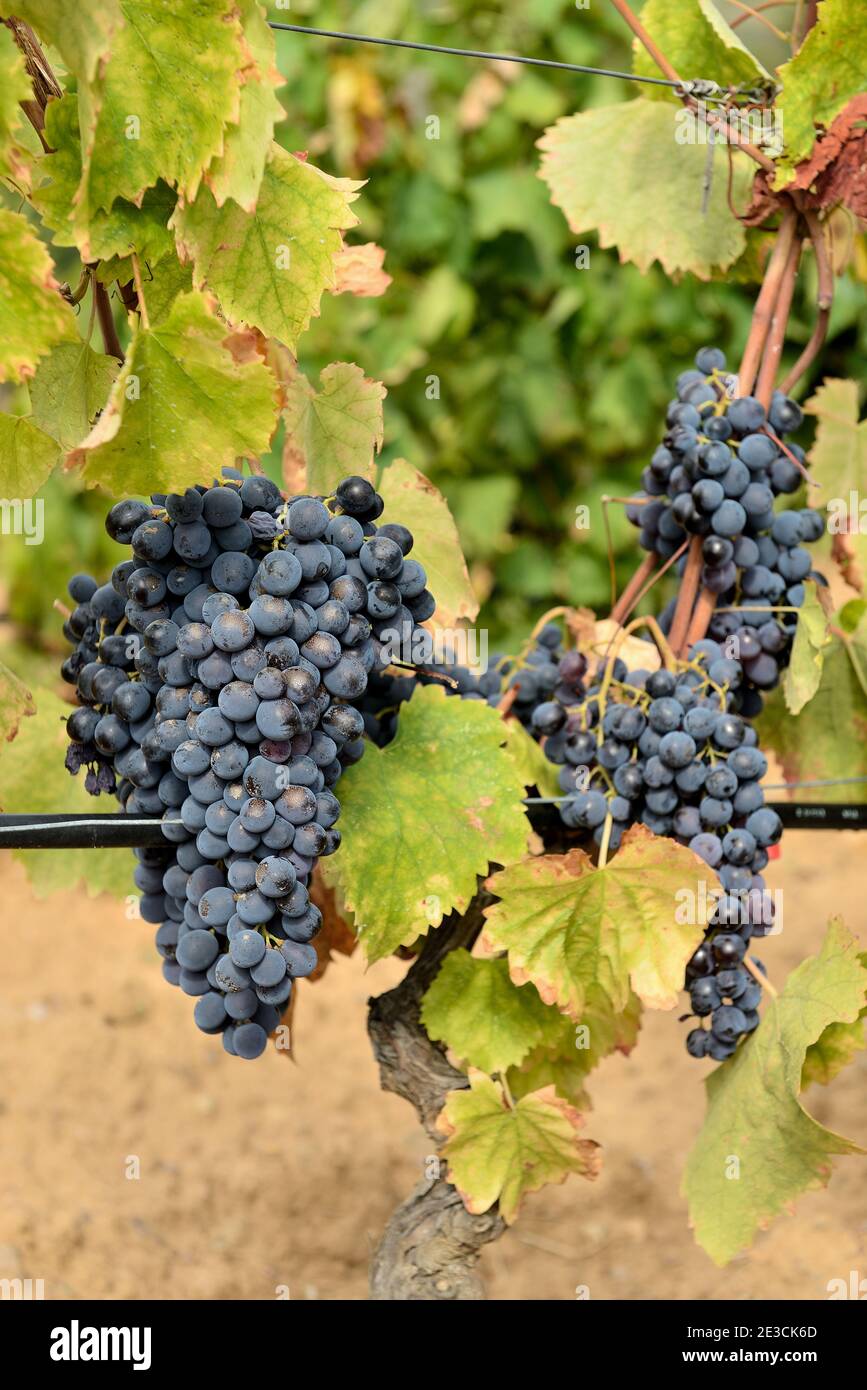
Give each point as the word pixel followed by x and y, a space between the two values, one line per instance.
pixel 81 832
pixel 145 832
pixel 492 57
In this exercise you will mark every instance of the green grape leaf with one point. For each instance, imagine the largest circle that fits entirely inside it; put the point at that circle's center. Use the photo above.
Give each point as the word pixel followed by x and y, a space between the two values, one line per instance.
pixel 569 927
pixel 648 201
pixel 499 1152
pixel 810 746
pixel 758 1148
pixel 473 1007
pixel 334 432
pixel 33 317
pixel 237 172
pixel 14 87
pixel 106 237
pixel 190 398
pixel 168 280
pixel 697 42
pixel 828 70
pixel 534 767
pixel 571 1051
pixel 270 268
pixel 159 104
pixel 16 703
pixel 838 458
pixel 804 672
pixel 34 781
pixel 69 389
pixel 80 33
pixel 422 818
pixel 27 456
pixel 414 501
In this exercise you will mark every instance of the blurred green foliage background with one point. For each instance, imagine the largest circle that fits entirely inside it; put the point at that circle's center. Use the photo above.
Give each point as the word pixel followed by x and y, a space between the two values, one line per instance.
pixel 521 384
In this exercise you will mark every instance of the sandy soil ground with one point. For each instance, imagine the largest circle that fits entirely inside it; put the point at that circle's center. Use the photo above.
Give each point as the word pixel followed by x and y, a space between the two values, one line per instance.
pixel 276 1173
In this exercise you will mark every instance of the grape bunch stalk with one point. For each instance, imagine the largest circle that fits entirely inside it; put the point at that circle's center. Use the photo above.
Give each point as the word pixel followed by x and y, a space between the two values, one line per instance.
pixel 217 674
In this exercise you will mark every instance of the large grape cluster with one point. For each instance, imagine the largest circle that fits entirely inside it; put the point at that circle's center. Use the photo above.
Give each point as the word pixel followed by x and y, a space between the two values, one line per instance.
pixel 716 475
pixel 216 673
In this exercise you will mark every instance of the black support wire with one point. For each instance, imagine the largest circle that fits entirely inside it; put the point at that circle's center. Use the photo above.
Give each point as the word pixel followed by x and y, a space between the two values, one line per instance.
pixel 146 832
pixel 702 88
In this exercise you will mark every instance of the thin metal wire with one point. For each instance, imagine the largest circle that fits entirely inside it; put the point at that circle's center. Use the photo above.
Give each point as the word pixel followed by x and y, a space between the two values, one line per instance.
pixel 83 823
pixel 477 53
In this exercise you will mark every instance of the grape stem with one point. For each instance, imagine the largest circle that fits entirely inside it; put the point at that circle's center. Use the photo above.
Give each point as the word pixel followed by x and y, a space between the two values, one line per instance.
pixel 759 977
pixel 606 840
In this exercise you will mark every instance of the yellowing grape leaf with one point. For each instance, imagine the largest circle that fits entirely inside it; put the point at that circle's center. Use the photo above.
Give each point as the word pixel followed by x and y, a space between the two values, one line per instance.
pixel 804 672
pixel 411 499
pixel 158 106
pixel 697 42
pixel 755 1119
pixel 570 927
pixel 71 386
pixel 34 781
pixel 359 270
pixel 646 201
pixel 422 818
pixel 188 401
pixel 81 33
pixel 828 739
pixel 334 432
pixel 33 317
pixel 570 1050
pixel 16 703
pixel 14 87
pixel 237 172
pixel 473 1007
pixel 27 456
pixel 107 237
pixel 828 70
pixel 497 1152
pixel 270 268
pixel 168 280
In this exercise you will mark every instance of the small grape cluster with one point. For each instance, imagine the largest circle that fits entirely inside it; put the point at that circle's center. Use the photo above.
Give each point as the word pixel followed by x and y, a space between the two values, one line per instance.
pixel 665 749
pixel 716 474
pixel 536 686
pixel 215 674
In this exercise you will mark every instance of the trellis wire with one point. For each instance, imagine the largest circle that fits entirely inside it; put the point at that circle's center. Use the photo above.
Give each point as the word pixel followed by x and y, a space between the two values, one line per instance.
pixel 707 89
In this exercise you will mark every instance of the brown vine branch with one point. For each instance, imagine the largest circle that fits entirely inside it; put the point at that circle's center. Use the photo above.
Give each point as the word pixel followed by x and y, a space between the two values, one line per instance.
pixel 824 301
pixel 686 597
pixel 766 302
pixel 432 1243
pixel 776 339
pixel 755 12
pixel 106 321
pixel 629 596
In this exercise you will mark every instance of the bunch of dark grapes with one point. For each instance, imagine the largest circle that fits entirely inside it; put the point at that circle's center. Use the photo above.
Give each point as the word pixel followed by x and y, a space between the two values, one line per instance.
pixel 216 674
pixel 716 474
